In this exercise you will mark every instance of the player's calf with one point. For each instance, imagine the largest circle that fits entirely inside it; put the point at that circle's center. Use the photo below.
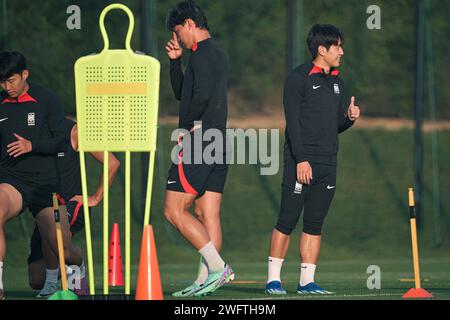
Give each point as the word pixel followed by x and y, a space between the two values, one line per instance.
pixel 47 229
pixel 10 205
pixel 36 274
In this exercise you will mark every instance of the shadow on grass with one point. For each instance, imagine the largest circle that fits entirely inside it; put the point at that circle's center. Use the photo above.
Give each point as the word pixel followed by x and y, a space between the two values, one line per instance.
pixel 378 164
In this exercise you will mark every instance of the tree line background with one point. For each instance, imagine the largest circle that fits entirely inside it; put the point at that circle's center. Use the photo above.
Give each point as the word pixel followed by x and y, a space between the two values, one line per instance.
pixel 379 65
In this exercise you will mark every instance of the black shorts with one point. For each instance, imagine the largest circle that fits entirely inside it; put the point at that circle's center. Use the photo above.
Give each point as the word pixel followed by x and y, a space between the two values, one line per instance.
pixel 75 212
pixel 196 178
pixel 34 197
pixel 315 198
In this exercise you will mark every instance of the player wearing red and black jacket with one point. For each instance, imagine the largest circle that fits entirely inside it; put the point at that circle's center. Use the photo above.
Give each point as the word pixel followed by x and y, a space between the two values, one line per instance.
pixel 202 91
pixel 40 272
pixel 316 112
pixel 31 133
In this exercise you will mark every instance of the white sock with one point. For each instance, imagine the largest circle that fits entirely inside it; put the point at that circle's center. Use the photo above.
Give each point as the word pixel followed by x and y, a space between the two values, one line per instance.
pixel 52 275
pixel 307 273
pixel 212 257
pixel 202 274
pixel 274 269
pixel 1 275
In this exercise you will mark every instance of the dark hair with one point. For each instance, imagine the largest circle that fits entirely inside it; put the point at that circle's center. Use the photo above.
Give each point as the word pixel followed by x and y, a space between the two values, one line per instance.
pixel 323 35
pixel 11 63
pixel 186 10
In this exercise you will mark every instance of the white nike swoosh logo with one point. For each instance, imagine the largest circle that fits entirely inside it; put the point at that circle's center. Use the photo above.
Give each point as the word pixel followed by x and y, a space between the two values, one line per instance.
pixel 330 187
pixel 171 182
pixel 315 88
pixel 3 119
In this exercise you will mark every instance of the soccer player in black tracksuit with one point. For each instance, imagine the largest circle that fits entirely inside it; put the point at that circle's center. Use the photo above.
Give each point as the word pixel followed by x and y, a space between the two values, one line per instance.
pixel 316 112
pixel 43 275
pixel 31 133
pixel 202 91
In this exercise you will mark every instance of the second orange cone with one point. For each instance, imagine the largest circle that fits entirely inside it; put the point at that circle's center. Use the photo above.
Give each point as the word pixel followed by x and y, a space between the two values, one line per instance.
pixel 115 274
pixel 149 280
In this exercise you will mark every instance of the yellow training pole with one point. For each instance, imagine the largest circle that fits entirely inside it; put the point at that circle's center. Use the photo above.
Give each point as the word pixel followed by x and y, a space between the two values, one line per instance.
pixel 417 292
pixel 127 222
pixel 414 238
pixel 59 238
pixel 105 221
pixel 148 197
pixel 87 225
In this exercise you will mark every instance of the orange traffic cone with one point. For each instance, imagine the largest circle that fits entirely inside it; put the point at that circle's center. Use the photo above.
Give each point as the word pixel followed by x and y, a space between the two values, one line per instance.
pixel 115 269
pixel 417 293
pixel 149 280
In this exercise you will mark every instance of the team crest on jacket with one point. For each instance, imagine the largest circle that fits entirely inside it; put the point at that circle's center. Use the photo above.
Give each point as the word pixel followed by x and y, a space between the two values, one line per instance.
pixel 336 89
pixel 31 120
pixel 298 188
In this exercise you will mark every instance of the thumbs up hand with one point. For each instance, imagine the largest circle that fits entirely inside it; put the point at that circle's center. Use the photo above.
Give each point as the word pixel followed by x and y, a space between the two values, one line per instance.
pixel 353 111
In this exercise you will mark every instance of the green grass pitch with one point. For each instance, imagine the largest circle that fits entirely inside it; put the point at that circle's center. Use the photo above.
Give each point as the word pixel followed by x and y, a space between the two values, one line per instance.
pixel 368 224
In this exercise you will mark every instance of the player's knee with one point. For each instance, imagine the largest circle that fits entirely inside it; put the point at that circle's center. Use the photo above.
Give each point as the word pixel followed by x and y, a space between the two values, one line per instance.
pixel 285 227
pixel 313 228
pixel 171 214
pixel 173 211
pixel 3 217
pixel 4 206
pixel 286 223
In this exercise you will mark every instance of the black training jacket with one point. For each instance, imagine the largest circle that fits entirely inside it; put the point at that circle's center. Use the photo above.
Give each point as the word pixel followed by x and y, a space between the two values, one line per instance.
pixel 202 89
pixel 316 112
pixel 37 116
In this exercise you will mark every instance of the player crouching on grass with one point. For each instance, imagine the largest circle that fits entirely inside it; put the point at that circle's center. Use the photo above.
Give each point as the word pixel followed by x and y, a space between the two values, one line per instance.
pixel 202 91
pixel 43 266
pixel 31 133
pixel 316 112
